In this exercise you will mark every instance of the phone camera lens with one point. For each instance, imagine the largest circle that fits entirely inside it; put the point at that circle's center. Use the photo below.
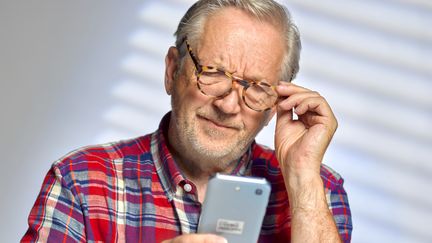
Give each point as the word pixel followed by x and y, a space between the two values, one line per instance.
pixel 258 191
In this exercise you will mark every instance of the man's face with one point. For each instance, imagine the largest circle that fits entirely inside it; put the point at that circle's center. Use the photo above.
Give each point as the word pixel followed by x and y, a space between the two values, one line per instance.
pixel 204 128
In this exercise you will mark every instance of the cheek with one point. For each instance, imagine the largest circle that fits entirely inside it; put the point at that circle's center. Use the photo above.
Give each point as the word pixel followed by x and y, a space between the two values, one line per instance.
pixel 254 121
pixel 186 96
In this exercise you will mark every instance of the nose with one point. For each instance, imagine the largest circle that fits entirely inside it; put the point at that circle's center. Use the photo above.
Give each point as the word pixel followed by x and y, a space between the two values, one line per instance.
pixel 230 104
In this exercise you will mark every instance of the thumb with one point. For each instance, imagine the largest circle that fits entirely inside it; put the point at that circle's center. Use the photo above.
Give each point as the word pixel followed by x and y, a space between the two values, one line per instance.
pixel 197 238
pixel 283 117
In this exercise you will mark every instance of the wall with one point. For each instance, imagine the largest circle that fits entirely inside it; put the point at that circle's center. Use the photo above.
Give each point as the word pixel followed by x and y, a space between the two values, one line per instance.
pixel 74 73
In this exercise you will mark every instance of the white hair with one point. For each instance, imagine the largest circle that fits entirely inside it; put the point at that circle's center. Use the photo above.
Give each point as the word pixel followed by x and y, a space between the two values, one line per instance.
pixel 192 26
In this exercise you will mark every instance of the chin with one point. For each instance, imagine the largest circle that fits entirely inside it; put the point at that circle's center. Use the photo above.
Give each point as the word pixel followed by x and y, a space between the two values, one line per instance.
pixel 212 144
pixel 217 149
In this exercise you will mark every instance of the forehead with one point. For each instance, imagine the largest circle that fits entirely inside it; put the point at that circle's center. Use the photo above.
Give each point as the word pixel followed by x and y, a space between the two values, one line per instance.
pixel 239 43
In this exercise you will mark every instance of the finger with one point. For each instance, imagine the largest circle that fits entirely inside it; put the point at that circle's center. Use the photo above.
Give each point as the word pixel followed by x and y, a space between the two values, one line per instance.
pixel 313 104
pixel 287 89
pixel 295 99
pixel 284 115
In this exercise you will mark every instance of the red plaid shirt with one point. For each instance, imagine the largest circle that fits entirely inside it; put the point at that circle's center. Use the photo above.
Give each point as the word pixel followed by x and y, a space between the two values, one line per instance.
pixel 133 191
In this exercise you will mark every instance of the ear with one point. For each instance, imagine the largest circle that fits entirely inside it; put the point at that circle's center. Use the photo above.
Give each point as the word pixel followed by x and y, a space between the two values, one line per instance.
pixel 171 61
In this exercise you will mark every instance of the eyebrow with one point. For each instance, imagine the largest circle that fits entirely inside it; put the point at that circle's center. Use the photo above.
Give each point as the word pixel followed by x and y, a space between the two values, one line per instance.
pixel 221 68
pixel 247 78
pixel 252 78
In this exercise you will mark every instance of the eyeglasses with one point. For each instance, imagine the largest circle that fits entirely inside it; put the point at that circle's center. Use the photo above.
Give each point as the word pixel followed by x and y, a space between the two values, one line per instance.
pixel 211 81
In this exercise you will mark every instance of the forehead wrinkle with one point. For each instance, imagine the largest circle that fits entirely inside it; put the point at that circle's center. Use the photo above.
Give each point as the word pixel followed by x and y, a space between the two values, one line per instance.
pixel 222 59
pixel 229 47
pixel 254 70
pixel 239 62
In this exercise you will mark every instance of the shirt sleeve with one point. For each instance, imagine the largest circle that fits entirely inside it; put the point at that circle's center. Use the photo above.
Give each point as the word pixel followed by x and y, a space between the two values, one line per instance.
pixel 56 215
pixel 337 200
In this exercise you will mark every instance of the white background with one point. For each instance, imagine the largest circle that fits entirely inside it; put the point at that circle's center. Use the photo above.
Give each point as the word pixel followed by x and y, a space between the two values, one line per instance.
pixel 74 73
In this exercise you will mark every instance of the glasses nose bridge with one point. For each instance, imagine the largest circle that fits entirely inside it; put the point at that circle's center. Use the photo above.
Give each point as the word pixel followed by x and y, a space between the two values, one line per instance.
pixel 245 84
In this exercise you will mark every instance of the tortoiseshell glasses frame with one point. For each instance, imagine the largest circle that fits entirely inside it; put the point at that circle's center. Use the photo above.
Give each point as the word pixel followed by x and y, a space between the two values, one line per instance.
pixel 213 82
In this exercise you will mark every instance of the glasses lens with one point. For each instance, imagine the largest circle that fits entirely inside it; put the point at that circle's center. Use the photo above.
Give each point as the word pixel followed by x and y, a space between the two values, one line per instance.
pixel 260 96
pixel 214 83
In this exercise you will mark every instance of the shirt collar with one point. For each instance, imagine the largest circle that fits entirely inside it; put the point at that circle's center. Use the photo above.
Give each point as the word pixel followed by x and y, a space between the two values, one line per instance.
pixel 166 167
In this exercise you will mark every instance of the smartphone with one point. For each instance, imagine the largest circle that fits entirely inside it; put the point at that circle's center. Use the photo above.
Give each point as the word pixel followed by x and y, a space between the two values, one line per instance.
pixel 234 207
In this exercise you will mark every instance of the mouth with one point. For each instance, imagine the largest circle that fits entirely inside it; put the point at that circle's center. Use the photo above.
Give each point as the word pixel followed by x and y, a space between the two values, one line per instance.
pixel 218 124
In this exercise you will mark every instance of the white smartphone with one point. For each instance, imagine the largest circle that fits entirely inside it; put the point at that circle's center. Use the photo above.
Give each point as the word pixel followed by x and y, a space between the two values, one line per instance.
pixel 234 207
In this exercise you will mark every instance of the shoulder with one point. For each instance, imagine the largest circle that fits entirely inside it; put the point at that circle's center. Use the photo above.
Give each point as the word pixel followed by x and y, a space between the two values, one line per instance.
pixel 264 156
pixel 101 157
pixel 265 162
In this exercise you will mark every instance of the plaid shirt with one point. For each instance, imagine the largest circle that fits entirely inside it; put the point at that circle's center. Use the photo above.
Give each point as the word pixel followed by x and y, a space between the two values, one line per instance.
pixel 133 191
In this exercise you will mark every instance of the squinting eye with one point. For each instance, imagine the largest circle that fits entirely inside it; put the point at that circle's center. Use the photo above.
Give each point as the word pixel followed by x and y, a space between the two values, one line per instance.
pixel 209 78
pixel 212 74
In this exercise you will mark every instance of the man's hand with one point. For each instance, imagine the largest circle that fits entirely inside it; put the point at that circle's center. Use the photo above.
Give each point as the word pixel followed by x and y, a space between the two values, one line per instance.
pixel 300 146
pixel 197 238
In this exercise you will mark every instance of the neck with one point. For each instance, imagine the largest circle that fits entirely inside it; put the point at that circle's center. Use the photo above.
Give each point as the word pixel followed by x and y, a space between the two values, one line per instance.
pixel 199 170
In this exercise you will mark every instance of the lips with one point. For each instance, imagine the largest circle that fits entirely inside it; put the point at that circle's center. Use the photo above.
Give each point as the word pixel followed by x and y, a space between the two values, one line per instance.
pixel 220 124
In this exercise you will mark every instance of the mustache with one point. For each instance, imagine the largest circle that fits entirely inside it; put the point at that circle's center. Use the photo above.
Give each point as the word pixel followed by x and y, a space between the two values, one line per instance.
pixel 221 119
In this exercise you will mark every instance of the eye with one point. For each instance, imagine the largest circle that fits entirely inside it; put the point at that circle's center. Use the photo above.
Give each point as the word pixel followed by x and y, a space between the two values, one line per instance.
pixel 212 74
pixel 209 78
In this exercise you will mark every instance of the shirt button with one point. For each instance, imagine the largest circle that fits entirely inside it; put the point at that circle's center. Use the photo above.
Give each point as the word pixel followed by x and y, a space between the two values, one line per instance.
pixel 187 187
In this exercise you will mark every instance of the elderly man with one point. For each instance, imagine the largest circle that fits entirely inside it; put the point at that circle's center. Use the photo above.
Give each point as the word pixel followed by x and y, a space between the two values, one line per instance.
pixel 228 75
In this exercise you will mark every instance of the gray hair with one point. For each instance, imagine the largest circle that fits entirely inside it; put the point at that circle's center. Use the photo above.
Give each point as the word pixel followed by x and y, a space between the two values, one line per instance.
pixel 192 26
